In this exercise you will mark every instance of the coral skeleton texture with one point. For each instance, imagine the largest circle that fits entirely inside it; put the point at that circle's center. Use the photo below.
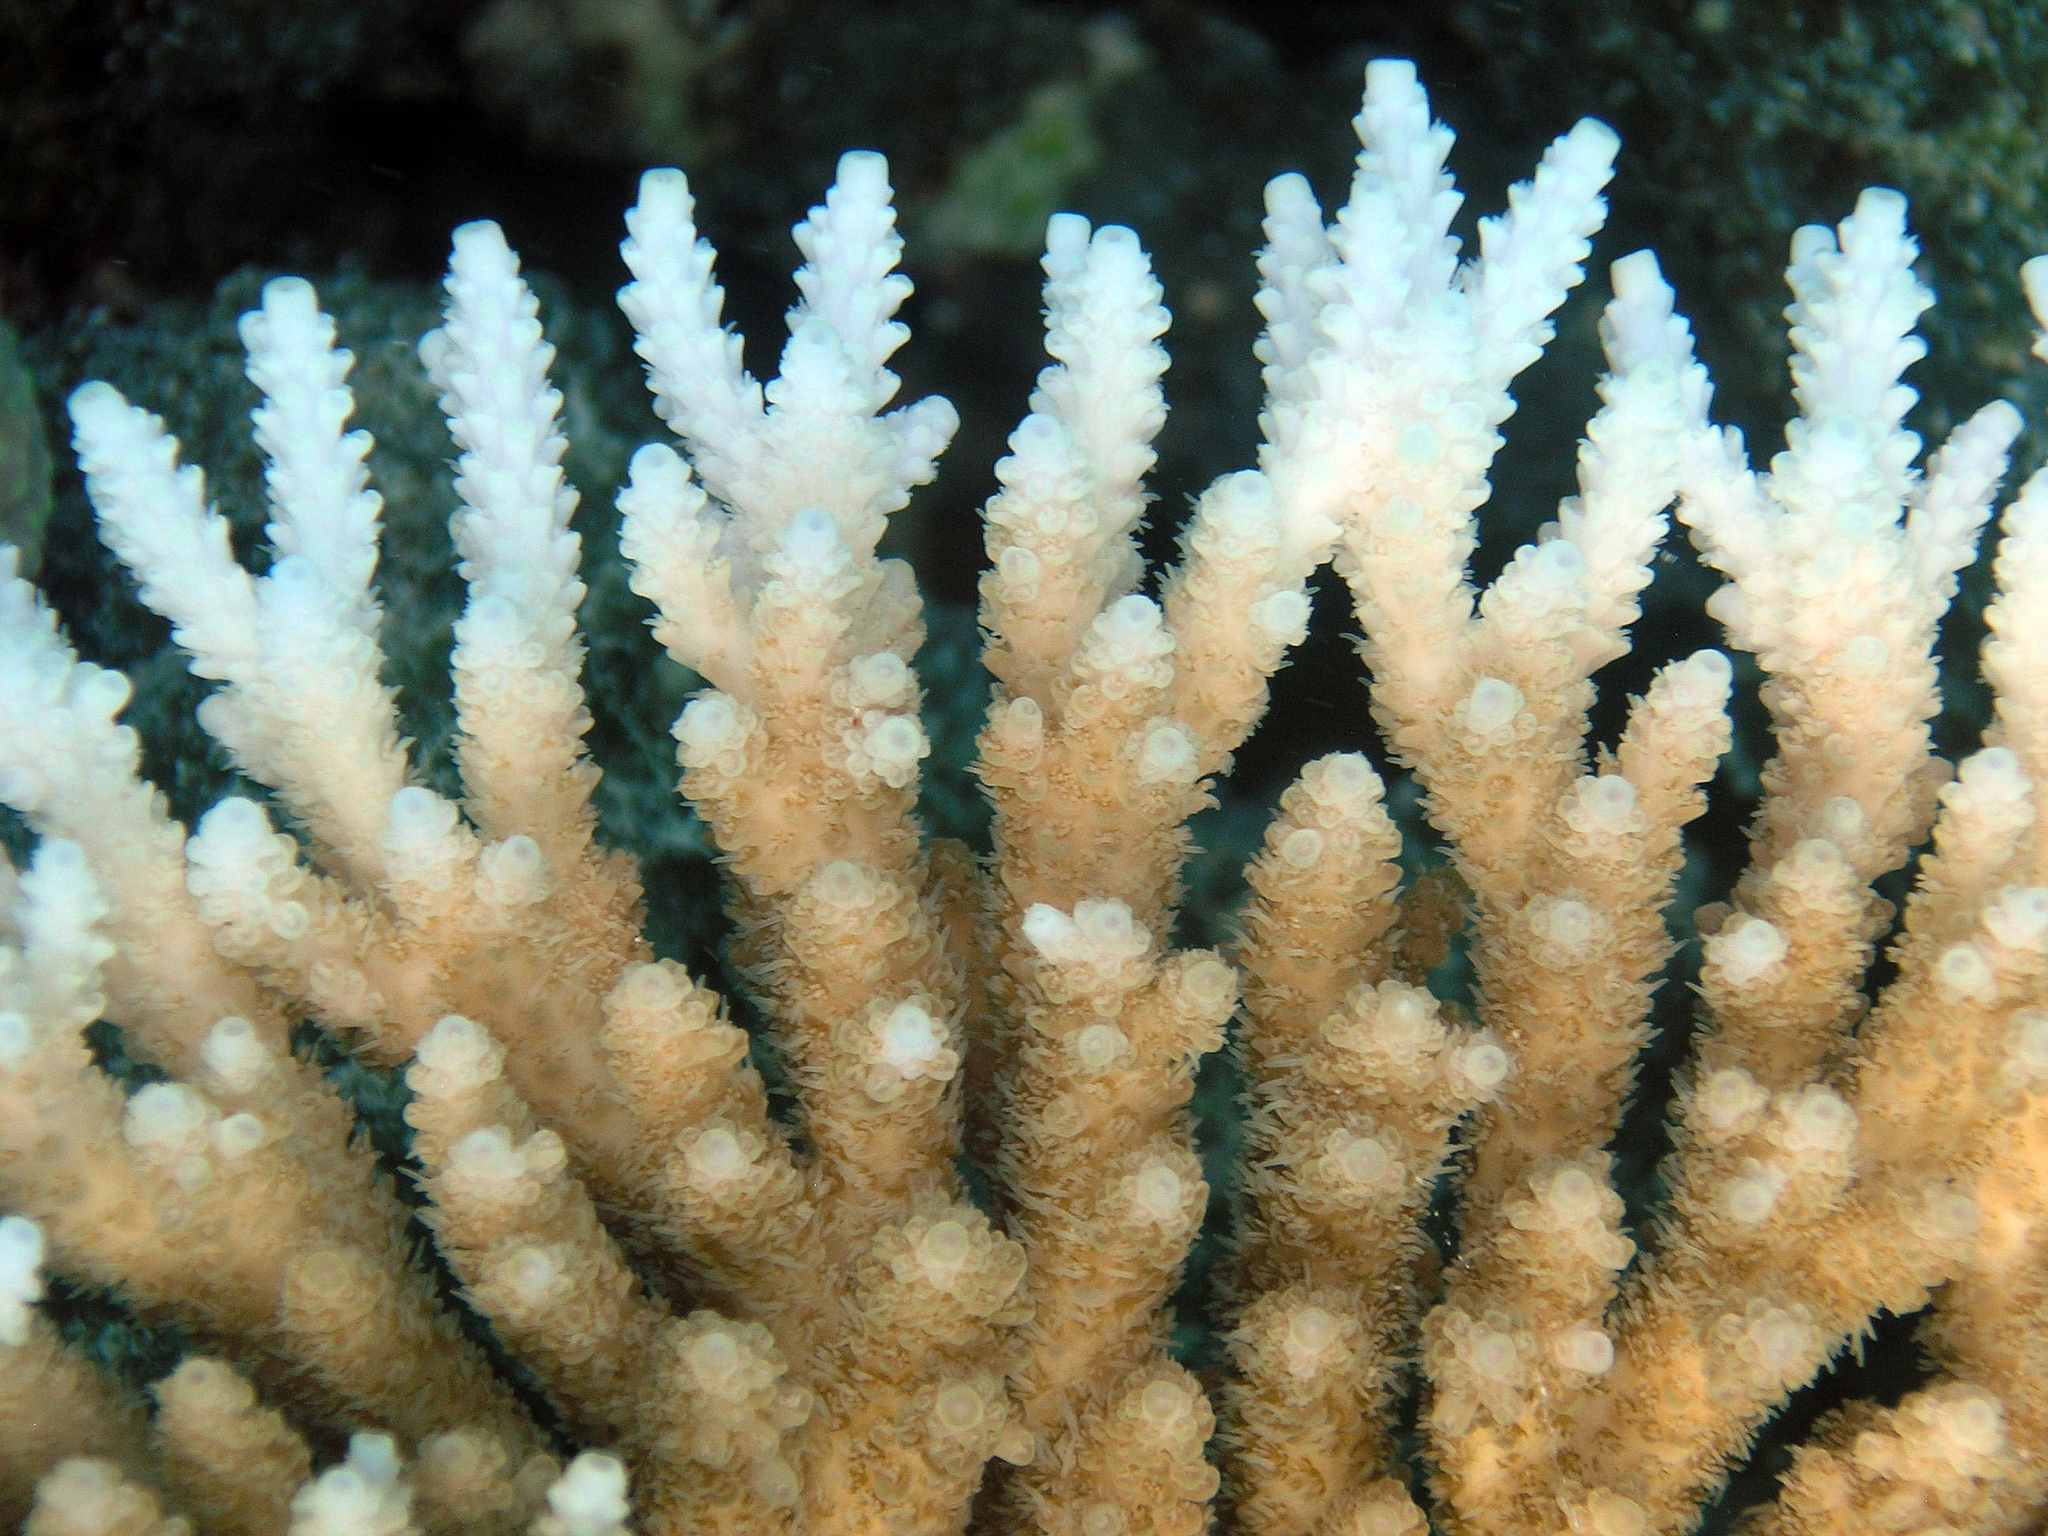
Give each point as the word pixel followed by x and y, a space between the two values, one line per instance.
pixel 930 1293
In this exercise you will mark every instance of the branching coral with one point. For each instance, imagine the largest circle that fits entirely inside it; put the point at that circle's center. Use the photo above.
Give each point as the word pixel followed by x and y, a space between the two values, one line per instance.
pixel 748 1320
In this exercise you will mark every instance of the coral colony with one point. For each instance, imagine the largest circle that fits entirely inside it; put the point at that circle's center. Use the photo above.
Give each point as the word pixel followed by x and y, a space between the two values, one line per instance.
pixel 931 1296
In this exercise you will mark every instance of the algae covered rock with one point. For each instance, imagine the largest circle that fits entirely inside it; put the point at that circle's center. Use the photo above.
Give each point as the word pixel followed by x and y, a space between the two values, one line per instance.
pixel 24 458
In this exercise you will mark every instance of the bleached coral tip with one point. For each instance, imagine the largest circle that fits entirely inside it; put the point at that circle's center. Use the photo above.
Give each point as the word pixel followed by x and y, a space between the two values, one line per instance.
pixel 1996 766
pixel 486 1160
pixel 865 170
pixel 1350 775
pixel 234 816
pixel 233 1051
pixel 1247 485
pixel 1746 949
pixel 1483 1064
pixel 1491 706
pixel 1593 141
pixel 1384 76
pixel 376 1456
pixel 1048 930
pixel 709 725
pixel 813 546
pixel 288 294
pixel 1289 193
pixel 1118 238
pixel 590 1495
pixel 1705 677
pixel 452 1032
pixel 459 1052
pixel 1210 985
pixel 1038 436
pixel 416 811
pixel 1636 275
pixel 1884 207
pixel 94 401
pixel 649 986
pixel 664 183
pixel 1066 236
pixel 59 858
pixel 2034 280
pixel 163 1115
pixel 654 461
pixel 21 1243
pixel 848 885
pixel 477 232
pixel 1808 241
pixel 21 1255
pixel 2000 422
